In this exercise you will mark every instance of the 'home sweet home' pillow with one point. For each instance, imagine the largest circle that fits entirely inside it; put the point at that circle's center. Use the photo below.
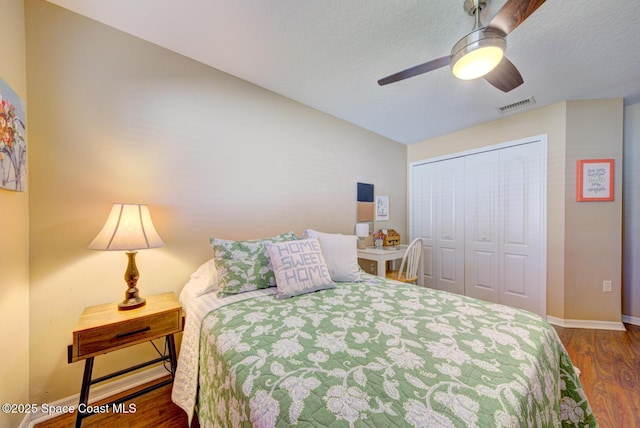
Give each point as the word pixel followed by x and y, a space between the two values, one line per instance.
pixel 299 267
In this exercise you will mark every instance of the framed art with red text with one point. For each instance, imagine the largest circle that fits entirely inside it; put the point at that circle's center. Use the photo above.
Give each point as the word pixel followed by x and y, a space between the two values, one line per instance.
pixel 594 180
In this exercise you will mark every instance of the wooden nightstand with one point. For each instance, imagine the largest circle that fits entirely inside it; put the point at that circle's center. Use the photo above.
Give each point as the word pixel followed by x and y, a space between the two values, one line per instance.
pixel 104 328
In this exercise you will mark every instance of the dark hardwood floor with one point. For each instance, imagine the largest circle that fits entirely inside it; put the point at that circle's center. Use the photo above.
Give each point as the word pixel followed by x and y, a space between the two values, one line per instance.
pixel 153 410
pixel 609 362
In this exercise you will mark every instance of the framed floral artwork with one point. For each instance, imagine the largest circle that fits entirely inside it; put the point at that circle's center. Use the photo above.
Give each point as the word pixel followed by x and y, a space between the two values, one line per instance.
pixel 594 180
pixel 382 208
pixel 13 143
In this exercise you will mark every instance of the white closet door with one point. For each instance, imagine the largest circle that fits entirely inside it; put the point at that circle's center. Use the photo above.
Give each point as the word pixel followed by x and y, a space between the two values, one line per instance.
pixel 521 240
pixel 482 226
pixel 482 222
pixel 449 210
pixel 437 217
pixel 423 184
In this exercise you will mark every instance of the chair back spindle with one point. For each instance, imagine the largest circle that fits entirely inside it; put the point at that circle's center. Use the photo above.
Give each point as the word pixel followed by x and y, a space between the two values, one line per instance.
pixel 410 264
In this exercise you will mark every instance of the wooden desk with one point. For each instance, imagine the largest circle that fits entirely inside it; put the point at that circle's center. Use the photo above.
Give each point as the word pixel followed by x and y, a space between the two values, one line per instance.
pixel 382 256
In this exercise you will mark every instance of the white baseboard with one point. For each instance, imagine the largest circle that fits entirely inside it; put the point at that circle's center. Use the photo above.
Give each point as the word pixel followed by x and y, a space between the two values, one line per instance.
pixel 99 392
pixel 588 324
pixel 631 320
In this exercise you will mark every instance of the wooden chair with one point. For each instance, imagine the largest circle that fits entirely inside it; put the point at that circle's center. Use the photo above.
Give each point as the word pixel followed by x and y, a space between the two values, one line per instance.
pixel 410 264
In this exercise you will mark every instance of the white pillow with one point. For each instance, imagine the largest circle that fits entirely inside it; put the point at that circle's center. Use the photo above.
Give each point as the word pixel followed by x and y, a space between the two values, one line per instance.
pixel 299 267
pixel 340 254
pixel 204 280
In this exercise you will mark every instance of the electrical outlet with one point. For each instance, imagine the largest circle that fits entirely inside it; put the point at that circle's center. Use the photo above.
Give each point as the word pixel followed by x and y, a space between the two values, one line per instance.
pixel 606 286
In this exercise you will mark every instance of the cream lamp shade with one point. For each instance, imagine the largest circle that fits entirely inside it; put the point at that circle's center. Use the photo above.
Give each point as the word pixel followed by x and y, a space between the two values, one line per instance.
pixel 128 228
pixel 362 232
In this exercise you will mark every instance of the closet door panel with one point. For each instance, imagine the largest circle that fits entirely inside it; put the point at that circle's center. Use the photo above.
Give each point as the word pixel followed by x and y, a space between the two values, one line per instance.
pixel 515 275
pixel 423 217
pixel 516 200
pixel 484 272
pixel 521 240
pixel 448 265
pixel 482 188
pixel 428 266
pixel 449 203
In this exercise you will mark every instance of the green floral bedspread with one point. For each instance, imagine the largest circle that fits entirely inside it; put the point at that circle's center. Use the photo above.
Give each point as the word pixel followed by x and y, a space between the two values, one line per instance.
pixel 378 354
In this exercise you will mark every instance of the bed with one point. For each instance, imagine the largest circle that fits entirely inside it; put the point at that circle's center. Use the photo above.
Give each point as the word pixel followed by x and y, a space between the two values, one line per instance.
pixel 372 352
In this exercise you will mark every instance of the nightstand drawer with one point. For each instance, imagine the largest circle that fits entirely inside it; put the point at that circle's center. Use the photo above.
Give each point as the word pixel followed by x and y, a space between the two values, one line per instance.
pixel 114 336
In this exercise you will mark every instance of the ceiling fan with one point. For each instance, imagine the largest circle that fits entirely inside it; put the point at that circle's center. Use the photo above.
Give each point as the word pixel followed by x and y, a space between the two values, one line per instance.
pixel 481 52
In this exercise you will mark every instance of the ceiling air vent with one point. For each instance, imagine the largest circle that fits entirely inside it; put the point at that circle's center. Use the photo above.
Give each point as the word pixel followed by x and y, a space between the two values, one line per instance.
pixel 517 105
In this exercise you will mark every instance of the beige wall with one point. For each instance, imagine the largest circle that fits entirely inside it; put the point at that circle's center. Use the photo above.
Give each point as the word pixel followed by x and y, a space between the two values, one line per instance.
pixel 593 230
pixel 117 119
pixel 596 127
pixel 631 223
pixel 14 235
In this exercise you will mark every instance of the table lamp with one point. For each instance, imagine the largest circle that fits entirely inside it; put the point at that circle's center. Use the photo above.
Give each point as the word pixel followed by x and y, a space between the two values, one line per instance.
pixel 128 228
pixel 362 232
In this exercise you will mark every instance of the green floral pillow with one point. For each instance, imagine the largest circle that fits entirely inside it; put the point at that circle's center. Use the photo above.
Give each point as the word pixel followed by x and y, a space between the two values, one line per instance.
pixel 244 265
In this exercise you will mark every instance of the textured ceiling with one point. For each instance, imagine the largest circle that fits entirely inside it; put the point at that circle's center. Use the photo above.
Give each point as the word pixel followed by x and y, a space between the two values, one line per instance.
pixel 329 54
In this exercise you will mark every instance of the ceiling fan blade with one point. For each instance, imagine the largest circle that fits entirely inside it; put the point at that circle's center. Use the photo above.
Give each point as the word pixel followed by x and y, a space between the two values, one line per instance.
pixel 505 76
pixel 416 70
pixel 513 13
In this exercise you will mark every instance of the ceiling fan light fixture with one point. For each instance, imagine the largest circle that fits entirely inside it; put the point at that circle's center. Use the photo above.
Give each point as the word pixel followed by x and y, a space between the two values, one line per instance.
pixel 477 53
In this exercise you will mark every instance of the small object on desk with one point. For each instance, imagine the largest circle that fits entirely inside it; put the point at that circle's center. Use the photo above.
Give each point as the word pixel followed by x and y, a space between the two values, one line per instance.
pixel 362 232
pixel 391 238
pixel 378 238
